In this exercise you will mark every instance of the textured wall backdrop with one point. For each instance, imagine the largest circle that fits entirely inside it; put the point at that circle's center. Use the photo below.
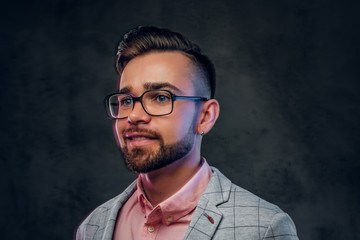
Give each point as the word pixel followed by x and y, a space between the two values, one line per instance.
pixel 288 85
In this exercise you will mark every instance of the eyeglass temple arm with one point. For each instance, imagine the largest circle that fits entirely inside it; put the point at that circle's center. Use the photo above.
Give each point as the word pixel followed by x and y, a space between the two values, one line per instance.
pixel 190 98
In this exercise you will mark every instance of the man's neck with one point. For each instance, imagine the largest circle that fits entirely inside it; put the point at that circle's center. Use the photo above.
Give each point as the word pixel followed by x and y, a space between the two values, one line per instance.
pixel 160 184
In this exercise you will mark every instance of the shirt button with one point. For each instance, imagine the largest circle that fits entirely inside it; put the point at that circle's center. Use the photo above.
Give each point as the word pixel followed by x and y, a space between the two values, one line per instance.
pixel 150 229
pixel 169 219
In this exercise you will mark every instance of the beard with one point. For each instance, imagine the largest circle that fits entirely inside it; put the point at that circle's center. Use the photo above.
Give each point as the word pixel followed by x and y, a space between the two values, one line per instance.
pixel 142 160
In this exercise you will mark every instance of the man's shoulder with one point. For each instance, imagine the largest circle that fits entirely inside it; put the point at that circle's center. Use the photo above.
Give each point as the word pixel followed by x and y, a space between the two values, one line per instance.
pixel 244 214
pixel 236 196
pixel 248 208
pixel 102 219
pixel 115 202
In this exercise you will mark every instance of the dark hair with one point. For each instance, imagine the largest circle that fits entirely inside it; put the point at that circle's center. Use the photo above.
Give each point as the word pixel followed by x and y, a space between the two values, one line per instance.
pixel 144 39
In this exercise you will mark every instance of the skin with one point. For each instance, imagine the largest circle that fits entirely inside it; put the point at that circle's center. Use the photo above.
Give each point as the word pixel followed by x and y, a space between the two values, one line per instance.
pixel 173 71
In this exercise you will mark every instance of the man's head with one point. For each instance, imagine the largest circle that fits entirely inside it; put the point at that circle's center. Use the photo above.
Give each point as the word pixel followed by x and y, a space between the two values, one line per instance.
pixel 147 60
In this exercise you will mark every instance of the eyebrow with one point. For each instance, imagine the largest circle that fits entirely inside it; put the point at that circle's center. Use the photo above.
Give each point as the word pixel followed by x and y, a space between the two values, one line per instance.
pixel 161 85
pixel 152 86
pixel 125 90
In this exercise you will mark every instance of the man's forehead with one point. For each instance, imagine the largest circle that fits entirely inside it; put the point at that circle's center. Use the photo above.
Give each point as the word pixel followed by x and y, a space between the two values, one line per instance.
pixel 155 70
pixel 150 86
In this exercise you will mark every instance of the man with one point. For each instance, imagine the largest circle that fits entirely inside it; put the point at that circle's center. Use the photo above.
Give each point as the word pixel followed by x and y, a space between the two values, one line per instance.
pixel 162 109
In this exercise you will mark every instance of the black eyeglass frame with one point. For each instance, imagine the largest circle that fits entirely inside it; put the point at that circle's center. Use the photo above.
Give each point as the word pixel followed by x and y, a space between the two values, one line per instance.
pixel 139 99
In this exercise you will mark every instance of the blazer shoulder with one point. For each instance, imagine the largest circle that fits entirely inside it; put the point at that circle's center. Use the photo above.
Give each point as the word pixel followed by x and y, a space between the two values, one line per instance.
pixel 116 202
pixel 246 215
pixel 235 196
pixel 243 197
pixel 104 216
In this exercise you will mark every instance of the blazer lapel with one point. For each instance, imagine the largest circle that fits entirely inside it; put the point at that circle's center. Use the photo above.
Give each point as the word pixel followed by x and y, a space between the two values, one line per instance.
pixel 114 210
pixel 207 216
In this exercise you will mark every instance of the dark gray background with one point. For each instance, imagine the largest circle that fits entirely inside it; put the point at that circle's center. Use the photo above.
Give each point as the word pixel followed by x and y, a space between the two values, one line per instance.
pixel 288 85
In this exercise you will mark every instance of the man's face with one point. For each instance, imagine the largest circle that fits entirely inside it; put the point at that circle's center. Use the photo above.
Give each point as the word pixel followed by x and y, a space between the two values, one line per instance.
pixel 152 142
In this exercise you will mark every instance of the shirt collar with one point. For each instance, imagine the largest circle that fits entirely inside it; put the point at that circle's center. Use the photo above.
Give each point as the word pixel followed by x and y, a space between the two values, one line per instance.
pixel 181 202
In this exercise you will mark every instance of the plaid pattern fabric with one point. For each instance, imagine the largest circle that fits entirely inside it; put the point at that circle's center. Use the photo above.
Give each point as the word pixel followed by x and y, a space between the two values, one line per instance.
pixel 237 214
pixel 225 211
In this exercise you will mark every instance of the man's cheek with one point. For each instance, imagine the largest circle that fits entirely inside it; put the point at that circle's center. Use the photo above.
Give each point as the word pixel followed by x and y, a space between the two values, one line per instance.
pixel 117 134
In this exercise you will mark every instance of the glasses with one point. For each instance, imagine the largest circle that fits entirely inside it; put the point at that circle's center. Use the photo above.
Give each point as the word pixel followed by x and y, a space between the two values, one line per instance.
pixel 154 103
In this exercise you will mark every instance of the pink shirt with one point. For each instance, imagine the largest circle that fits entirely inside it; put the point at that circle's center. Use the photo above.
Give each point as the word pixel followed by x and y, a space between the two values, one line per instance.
pixel 138 219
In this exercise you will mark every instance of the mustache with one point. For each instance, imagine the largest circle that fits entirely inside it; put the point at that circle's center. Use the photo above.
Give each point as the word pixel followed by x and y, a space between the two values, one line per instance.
pixel 152 133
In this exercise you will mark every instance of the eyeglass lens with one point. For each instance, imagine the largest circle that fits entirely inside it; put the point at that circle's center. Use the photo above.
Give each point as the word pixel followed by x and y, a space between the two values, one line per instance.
pixel 157 102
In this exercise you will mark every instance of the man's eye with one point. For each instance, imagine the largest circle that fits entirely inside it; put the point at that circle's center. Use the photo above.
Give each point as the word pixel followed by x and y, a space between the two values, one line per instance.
pixel 126 102
pixel 162 98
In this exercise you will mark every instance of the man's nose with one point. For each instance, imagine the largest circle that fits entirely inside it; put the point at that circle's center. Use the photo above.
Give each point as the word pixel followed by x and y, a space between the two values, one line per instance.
pixel 138 114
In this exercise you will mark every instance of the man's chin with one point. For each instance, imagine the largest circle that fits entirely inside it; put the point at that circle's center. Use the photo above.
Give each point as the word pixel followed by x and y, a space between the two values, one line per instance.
pixel 138 159
pixel 140 166
pixel 147 159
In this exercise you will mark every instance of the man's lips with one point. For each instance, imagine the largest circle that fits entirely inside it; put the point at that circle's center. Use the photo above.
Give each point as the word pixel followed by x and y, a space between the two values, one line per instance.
pixel 139 138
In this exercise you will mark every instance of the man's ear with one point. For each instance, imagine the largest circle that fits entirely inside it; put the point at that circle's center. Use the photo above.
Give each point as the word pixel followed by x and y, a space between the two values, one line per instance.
pixel 209 113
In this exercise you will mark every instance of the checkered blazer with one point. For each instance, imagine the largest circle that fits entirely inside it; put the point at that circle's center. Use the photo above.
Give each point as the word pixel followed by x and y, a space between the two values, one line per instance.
pixel 225 211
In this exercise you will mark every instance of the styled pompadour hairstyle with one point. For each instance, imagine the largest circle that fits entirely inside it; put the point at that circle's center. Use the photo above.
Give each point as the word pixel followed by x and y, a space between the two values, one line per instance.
pixel 144 39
